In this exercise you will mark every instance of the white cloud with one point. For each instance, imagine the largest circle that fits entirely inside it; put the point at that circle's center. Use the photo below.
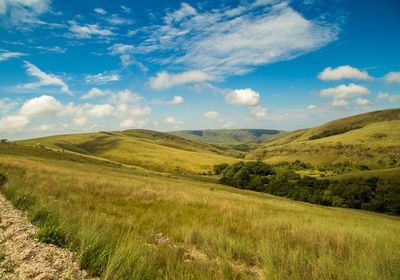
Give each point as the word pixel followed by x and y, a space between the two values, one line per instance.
pixel 362 101
pixel 125 53
pixel 80 122
pixel 339 103
pixel 87 31
pixel 211 115
pixel 388 97
pixel 23 11
pixel 100 11
pixel 44 79
pixel 125 9
pixel 117 20
pixel 259 112
pixel 243 97
pixel 102 78
pixel 129 123
pixel 13 123
pixel 311 106
pixel 172 120
pixel 94 92
pixel 125 96
pixel 343 91
pixel 228 124
pixel 392 77
pixel 55 49
pixel 40 106
pixel 343 72
pixel 4 55
pixel 166 80
pixel 176 100
pixel 232 41
pixel 101 111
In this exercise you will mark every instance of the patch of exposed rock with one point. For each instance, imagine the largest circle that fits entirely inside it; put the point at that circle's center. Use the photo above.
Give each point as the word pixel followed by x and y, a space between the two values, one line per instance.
pixel 24 257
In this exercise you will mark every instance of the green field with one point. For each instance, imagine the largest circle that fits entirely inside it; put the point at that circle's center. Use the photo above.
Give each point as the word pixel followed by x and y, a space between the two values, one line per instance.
pixel 371 139
pixel 129 223
pixel 140 204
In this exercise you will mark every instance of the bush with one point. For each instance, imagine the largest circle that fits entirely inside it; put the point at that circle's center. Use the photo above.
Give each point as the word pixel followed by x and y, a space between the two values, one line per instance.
pixel 51 235
pixel 3 179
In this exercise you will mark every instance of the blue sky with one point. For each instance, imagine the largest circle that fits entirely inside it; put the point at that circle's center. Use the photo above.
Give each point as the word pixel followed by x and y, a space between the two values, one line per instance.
pixel 82 66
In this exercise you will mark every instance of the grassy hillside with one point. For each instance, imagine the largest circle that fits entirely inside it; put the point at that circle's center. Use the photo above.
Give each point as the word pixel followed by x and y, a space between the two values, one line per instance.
pixel 228 135
pixel 133 224
pixel 145 148
pixel 371 138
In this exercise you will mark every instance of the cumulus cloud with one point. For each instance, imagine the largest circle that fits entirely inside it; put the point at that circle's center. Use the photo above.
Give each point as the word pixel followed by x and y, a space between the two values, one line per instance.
pixel 23 11
pixel 311 106
pixel 392 77
pixel 39 106
pixel 13 123
pixel 44 79
pixel 343 72
pixel 172 120
pixel 87 31
pixel 388 97
pixel 243 97
pixel 101 111
pixel 233 41
pixel 165 80
pixel 211 115
pixel 94 92
pixel 259 112
pixel 362 101
pixel 133 123
pixel 102 78
pixel 176 100
pixel 339 103
pixel 345 91
pixel 4 55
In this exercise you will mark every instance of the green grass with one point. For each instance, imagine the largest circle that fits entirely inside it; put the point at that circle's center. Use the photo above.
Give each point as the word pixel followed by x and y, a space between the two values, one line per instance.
pixel 144 148
pixel 375 142
pixel 228 135
pixel 133 224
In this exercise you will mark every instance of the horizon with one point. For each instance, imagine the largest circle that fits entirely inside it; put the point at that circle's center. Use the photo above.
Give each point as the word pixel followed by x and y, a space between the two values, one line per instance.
pixel 191 65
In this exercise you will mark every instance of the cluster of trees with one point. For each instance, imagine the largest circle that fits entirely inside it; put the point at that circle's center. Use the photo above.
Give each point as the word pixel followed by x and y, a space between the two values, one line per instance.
pixel 373 194
pixel 332 132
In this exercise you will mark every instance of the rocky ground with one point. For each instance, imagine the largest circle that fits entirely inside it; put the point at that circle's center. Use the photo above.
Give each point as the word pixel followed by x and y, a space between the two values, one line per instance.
pixel 24 257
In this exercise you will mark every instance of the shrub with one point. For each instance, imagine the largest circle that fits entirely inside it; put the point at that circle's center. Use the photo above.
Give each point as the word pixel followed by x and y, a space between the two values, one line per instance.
pixel 3 179
pixel 51 235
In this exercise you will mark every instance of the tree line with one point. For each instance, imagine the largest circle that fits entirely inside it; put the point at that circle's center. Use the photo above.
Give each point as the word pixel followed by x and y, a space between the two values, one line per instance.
pixel 373 194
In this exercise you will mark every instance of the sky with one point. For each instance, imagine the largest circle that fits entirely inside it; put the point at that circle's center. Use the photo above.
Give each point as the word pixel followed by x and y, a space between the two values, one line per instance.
pixel 85 66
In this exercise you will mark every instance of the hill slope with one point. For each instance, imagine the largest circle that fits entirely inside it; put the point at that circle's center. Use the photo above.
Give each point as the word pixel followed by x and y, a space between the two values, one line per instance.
pixel 370 138
pixel 134 224
pixel 145 148
pixel 228 135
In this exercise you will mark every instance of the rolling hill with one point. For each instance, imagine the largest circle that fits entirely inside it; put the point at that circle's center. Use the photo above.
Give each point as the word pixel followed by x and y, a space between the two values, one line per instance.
pixel 229 135
pixel 129 223
pixel 372 138
pixel 153 150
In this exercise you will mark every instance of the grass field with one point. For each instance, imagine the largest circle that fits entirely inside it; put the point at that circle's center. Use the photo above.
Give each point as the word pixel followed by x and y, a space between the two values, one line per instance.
pixel 132 224
pixel 149 149
pixel 372 139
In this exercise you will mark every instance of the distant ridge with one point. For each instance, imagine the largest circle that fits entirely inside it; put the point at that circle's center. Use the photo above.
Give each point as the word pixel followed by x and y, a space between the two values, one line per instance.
pixel 228 135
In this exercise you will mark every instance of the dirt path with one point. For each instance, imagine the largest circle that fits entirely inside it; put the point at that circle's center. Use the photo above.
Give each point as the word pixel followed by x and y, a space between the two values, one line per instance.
pixel 23 257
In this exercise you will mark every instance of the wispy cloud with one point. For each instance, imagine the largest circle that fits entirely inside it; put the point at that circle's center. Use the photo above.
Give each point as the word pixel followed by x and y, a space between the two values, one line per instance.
pixel 87 31
pixel 44 79
pixel 4 55
pixel 23 11
pixel 125 53
pixel 235 41
pixel 100 11
pixel 102 78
